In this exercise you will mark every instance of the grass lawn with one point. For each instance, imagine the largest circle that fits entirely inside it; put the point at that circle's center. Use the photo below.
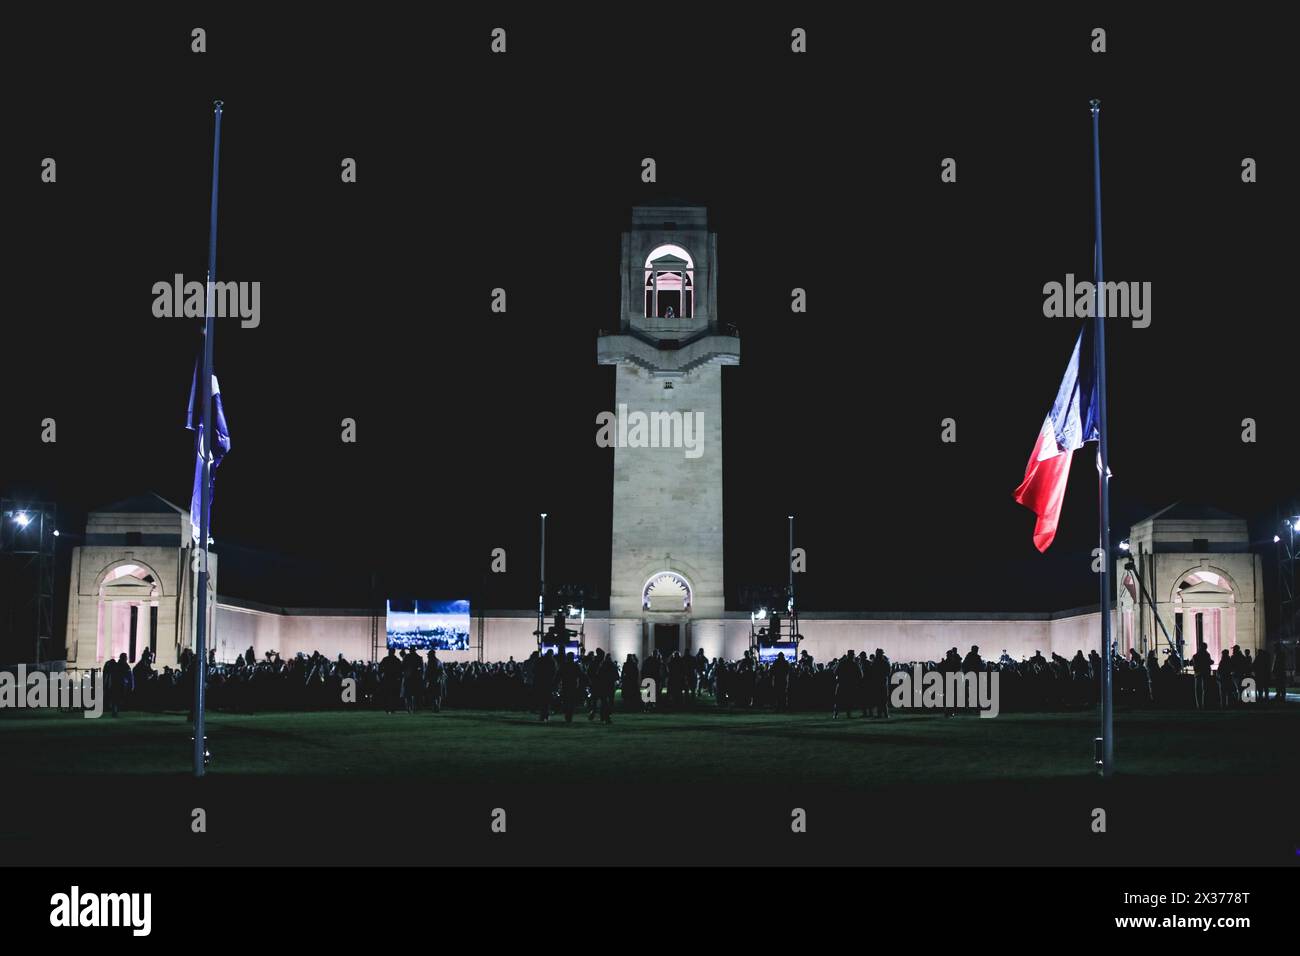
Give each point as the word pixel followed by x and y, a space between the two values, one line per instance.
pixel 704 746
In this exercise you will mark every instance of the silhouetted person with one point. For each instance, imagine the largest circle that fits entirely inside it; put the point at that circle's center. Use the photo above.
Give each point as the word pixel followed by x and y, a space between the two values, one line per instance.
pixel 745 678
pixel 951 664
pixel 1263 674
pixel 1225 680
pixel 390 678
pixel 113 683
pixel 676 677
pixel 688 673
pixel 435 680
pixel 141 675
pixel 848 680
pixel 1202 663
pixel 1079 666
pixel 880 671
pixel 1095 666
pixel 412 679
pixel 603 683
pixel 570 682
pixel 544 684
pixel 1240 668
pixel 721 681
pixel 780 672
pixel 631 684
pixel 1279 672
pixel 588 681
pixel 972 663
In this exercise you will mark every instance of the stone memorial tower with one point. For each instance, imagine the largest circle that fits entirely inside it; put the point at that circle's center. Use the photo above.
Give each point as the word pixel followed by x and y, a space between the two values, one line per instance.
pixel 666 587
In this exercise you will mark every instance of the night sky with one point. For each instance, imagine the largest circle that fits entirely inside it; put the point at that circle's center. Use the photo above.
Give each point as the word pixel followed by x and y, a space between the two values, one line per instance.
pixel 519 171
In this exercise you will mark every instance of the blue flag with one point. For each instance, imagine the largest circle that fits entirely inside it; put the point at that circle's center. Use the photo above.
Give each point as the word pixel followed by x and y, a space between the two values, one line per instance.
pixel 194 422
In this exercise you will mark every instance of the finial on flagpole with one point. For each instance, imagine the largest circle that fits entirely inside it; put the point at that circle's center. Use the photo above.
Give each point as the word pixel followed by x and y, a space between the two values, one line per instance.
pixel 217 104
pixel 1095 104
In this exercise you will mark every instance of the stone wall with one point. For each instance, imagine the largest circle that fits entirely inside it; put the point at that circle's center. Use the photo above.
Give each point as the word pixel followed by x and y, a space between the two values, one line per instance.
pixel 510 634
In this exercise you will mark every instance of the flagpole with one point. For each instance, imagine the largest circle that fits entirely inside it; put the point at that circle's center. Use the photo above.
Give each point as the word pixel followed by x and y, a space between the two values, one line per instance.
pixel 1099 345
pixel 205 440
pixel 541 589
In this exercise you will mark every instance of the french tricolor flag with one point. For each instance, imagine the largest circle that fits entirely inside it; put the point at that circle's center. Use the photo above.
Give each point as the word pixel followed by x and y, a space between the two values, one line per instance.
pixel 1071 422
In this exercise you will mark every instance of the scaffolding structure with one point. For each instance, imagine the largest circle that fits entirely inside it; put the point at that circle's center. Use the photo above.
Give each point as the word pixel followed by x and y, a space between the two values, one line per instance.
pixel 375 616
pixel 1287 540
pixel 28 530
pixel 567 603
pixel 774 615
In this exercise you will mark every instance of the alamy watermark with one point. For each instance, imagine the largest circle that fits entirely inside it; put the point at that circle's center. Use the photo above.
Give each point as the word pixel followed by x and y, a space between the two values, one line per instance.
pixel 950 690
pixel 230 300
pixel 42 689
pixel 75 909
pixel 1076 300
pixel 638 429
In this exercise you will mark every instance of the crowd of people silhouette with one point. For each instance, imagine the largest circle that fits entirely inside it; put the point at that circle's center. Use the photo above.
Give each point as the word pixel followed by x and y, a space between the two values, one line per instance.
pixel 594 683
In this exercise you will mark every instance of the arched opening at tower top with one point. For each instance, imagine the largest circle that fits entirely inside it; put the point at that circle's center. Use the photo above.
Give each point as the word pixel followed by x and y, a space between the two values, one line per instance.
pixel 669 283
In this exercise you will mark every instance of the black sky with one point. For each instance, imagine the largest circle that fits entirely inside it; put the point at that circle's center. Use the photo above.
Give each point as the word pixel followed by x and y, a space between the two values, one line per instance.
pixel 820 171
